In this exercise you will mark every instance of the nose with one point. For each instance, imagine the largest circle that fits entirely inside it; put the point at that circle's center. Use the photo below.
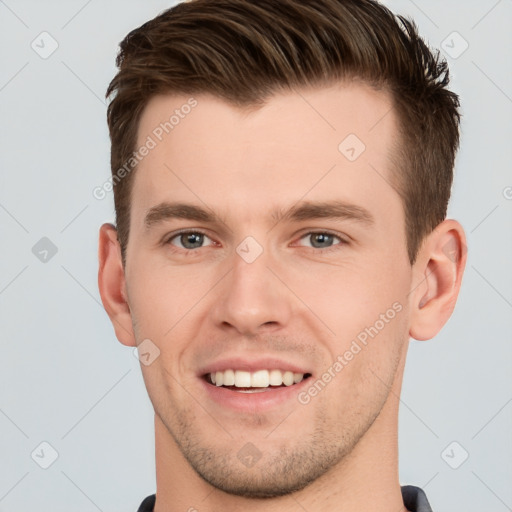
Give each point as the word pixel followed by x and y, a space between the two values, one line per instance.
pixel 251 299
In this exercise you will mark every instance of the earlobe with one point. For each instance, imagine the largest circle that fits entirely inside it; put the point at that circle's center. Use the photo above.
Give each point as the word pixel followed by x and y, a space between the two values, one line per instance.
pixel 112 285
pixel 438 270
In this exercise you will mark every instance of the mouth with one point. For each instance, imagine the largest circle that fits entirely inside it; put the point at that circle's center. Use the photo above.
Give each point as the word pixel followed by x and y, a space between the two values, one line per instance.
pixel 254 385
pixel 258 381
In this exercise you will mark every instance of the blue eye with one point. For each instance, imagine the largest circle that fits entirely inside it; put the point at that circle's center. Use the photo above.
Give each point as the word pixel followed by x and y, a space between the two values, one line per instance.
pixel 189 240
pixel 322 240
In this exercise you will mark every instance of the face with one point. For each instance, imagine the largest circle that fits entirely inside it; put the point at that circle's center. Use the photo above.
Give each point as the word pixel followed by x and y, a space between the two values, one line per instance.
pixel 267 264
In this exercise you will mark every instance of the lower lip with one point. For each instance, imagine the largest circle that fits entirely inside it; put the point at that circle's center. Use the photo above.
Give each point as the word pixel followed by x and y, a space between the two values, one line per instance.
pixel 258 401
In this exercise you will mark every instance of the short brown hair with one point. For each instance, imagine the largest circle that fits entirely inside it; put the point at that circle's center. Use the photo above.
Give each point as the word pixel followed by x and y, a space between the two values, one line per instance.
pixel 243 51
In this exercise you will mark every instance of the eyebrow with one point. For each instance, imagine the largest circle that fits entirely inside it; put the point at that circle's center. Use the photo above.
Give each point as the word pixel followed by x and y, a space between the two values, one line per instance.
pixel 305 210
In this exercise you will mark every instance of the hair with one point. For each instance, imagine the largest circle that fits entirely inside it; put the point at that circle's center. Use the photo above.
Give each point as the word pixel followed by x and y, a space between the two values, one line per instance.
pixel 244 51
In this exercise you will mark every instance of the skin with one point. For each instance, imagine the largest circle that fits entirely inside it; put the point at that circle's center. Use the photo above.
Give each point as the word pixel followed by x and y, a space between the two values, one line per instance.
pixel 296 301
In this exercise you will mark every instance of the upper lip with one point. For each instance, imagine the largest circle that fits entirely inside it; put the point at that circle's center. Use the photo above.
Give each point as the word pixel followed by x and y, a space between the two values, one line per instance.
pixel 252 365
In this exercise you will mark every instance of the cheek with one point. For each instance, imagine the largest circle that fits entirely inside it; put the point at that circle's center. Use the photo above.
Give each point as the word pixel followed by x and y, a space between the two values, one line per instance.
pixel 364 367
pixel 166 309
pixel 161 297
pixel 351 297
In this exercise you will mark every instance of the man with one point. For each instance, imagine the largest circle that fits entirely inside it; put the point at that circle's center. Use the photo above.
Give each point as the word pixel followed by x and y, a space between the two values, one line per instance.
pixel 281 173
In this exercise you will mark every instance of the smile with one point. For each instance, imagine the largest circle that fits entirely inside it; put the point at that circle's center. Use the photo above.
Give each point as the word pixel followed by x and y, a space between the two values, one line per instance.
pixel 253 382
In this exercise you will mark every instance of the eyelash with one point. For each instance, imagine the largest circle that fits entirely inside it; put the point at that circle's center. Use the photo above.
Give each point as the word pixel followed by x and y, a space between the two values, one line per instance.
pixel 316 250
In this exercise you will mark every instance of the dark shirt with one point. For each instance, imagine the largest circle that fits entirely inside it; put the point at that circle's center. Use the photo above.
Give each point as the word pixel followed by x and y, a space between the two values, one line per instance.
pixel 414 498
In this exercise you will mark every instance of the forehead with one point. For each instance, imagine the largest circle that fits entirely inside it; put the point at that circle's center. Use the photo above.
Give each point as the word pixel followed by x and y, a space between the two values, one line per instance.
pixel 323 143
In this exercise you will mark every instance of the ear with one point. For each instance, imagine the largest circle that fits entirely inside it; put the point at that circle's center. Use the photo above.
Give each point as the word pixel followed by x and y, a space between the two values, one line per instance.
pixel 437 279
pixel 112 285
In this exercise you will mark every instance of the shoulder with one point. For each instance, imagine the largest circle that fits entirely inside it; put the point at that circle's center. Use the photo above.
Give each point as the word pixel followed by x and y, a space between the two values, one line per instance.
pixel 148 504
pixel 415 499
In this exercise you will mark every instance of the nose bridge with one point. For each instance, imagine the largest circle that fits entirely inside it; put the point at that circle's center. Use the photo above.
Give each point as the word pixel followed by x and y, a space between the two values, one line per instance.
pixel 251 296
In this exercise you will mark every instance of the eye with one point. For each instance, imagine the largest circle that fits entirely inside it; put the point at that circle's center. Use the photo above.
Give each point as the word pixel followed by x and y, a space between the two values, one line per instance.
pixel 322 240
pixel 189 240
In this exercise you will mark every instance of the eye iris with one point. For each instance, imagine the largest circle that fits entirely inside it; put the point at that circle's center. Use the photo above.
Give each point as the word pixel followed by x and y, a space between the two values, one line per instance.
pixel 321 238
pixel 191 240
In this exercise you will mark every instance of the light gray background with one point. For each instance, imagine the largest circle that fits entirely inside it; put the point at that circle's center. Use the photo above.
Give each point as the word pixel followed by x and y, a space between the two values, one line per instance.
pixel 65 379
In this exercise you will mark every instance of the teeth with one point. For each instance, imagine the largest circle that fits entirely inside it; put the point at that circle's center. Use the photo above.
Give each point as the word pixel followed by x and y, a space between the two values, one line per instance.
pixel 258 379
pixel 288 378
pixel 275 378
pixel 242 379
pixel 229 378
